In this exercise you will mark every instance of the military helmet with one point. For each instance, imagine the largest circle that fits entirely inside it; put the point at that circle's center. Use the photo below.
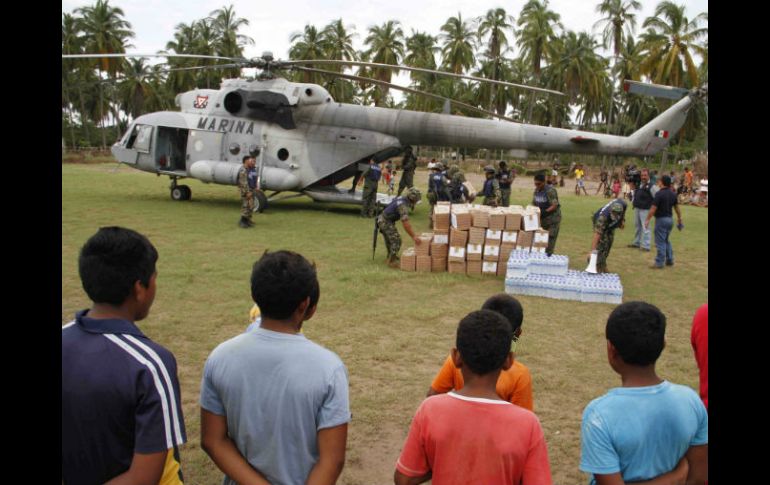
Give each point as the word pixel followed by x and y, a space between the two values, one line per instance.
pixel 489 168
pixel 413 195
pixel 438 166
pixel 618 207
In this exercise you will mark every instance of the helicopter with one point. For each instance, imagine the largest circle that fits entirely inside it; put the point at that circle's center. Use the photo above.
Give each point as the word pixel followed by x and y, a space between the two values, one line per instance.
pixel 306 143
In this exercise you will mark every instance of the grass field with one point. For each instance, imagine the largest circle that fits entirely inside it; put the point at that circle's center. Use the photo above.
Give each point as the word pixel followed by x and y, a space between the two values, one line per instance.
pixel 392 329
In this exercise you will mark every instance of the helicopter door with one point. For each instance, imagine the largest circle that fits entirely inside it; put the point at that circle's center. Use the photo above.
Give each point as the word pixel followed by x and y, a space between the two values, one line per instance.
pixel 170 153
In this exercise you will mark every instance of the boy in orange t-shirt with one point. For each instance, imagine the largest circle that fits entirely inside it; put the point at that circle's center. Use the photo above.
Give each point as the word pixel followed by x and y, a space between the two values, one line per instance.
pixel 473 436
pixel 515 383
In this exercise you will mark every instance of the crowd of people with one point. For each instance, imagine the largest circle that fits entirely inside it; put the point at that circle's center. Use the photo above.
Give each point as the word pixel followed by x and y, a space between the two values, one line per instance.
pixel 275 406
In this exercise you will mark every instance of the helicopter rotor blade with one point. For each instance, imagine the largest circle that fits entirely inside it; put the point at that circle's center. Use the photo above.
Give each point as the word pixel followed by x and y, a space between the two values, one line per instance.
pixel 419 69
pixel 211 66
pixel 402 88
pixel 194 56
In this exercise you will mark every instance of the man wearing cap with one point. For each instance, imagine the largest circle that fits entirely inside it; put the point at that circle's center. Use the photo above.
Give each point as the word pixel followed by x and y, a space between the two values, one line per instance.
pixel 398 209
pixel 371 178
pixel 642 201
pixel 606 220
pixel 408 165
pixel 665 200
pixel 505 179
pixel 547 199
pixel 491 189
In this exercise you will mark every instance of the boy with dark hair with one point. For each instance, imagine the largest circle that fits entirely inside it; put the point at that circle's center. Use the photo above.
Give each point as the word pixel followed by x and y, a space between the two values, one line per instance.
pixel 473 436
pixel 649 430
pixel 515 383
pixel 274 405
pixel 121 410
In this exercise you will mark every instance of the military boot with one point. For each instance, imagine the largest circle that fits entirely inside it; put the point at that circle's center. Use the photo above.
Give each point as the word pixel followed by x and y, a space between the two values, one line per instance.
pixel 243 223
pixel 393 261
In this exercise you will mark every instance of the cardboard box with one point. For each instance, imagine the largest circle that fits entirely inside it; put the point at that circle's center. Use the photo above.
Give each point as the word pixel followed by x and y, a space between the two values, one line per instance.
pixel 460 217
pixel 474 252
pixel 458 238
pixel 443 202
pixel 480 218
pixel 476 235
pixel 473 267
pixel 508 237
pixel 441 218
pixel 532 208
pixel 438 265
pixel 408 260
pixel 493 236
pixel 439 238
pixel 502 267
pixel 524 240
pixel 497 219
pixel 540 238
pixel 505 252
pixel 456 267
pixel 423 249
pixel 490 268
pixel 530 221
pixel 491 252
pixel 423 264
pixel 513 221
pixel 456 253
pixel 535 249
pixel 438 250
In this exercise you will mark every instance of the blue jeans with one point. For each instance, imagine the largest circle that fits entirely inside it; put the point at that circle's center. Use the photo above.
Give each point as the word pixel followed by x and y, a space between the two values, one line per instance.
pixel 641 235
pixel 663 227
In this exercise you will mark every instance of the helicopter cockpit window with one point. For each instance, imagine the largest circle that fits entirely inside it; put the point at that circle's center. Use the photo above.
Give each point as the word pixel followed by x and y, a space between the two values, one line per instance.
pixel 143 137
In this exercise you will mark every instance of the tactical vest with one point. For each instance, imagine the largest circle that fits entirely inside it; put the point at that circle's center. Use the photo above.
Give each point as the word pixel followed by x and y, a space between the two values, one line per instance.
pixel 251 177
pixel 390 213
pixel 541 200
pixel 375 172
pixel 436 182
pixel 456 191
pixel 605 211
pixel 505 179
pixel 489 190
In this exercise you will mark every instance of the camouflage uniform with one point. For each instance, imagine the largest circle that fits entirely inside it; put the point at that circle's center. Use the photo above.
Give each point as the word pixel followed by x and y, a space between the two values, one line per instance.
pixel 247 194
pixel 505 179
pixel 408 165
pixel 605 225
pixel 369 196
pixel 494 197
pixel 387 224
pixel 550 221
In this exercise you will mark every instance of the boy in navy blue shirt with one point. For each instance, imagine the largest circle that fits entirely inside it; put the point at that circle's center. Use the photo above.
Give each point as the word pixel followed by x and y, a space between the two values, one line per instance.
pixel 121 409
pixel 648 430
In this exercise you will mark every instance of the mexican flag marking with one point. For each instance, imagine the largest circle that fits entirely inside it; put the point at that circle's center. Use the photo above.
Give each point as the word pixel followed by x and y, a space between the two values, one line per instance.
pixel 661 134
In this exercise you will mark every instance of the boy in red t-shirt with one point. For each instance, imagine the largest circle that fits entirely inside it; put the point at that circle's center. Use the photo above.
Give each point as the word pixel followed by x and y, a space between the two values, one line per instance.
pixel 471 435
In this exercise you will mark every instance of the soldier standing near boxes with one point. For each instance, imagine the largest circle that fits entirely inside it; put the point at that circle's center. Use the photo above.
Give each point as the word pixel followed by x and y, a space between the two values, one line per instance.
pixel 547 199
pixel 371 178
pixel 491 190
pixel 606 220
pixel 398 209
pixel 408 165
pixel 505 180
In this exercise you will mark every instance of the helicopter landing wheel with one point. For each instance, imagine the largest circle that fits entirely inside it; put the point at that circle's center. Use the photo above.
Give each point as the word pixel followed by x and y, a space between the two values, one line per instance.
pixel 260 201
pixel 181 192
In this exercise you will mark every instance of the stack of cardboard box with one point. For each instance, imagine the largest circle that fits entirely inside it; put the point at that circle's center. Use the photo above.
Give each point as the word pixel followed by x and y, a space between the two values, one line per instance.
pixel 422 252
pixel 408 260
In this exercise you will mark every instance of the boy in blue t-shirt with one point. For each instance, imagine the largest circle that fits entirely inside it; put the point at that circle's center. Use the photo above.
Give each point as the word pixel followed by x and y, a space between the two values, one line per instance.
pixel 649 430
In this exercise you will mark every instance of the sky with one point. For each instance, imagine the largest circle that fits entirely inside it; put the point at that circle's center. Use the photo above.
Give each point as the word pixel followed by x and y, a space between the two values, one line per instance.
pixel 272 22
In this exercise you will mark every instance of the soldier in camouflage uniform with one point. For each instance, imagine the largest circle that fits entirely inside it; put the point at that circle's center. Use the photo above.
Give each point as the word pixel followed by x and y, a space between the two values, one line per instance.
pixel 408 165
pixel 247 181
pixel 371 178
pixel 606 220
pixel 547 199
pixel 398 209
pixel 491 189
pixel 505 179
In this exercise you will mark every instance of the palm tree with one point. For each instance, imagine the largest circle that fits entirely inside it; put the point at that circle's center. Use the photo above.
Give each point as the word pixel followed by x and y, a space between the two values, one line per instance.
pixel 618 21
pixel 104 32
pixel 537 38
pixel 494 23
pixel 669 44
pixel 205 38
pixel 421 52
pixel 577 67
pixel 386 46
pixel 308 45
pixel 185 42
pixel 338 44
pixel 71 43
pixel 459 45
pixel 229 43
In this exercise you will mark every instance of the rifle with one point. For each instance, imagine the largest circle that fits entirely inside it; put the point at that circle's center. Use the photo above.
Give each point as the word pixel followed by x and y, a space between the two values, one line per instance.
pixel 376 228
